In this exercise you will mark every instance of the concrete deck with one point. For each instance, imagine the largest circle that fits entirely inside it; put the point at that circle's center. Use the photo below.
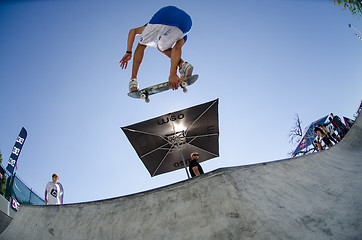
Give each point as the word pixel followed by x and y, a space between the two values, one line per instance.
pixel 318 196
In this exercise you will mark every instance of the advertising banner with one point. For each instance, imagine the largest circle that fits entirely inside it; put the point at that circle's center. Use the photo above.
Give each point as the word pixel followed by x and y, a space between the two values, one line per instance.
pixel 15 152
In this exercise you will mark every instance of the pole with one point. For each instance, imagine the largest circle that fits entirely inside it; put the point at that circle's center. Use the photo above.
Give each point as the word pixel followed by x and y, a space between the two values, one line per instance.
pixel 183 160
pixel 350 25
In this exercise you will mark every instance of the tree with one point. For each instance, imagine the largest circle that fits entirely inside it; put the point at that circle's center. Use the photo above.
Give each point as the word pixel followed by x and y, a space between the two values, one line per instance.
pixel 3 184
pixel 296 133
pixel 355 6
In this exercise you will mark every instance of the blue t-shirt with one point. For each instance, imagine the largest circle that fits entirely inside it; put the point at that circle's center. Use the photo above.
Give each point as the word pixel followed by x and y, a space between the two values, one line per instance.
pixel 172 16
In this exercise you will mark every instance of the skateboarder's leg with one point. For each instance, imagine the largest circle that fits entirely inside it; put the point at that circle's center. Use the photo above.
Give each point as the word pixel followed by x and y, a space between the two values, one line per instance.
pixel 167 53
pixel 185 68
pixel 137 59
pixel 174 80
pixel 175 56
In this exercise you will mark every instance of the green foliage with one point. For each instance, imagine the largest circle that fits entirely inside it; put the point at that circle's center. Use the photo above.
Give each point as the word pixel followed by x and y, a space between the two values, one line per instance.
pixel 3 185
pixel 355 6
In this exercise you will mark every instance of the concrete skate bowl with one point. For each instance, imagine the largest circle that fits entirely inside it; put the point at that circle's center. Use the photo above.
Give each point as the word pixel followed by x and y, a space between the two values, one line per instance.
pixel 318 196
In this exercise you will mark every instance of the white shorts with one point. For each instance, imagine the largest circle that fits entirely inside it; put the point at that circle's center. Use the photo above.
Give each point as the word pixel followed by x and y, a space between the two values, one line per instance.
pixel 163 36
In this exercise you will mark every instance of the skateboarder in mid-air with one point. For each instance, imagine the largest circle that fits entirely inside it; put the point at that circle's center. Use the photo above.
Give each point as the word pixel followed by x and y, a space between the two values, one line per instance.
pixel 167 30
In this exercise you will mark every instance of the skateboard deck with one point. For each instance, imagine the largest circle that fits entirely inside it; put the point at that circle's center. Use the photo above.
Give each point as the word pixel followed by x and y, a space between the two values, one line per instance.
pixel 146 92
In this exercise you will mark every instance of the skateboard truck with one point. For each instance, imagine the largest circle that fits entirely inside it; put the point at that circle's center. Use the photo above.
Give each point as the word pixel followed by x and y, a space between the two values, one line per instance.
pixel 183 86
pixel 145 97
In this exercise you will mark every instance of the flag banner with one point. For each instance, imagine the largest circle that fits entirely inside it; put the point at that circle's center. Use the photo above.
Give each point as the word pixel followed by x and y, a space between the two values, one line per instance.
pixel 309 136
pixel 348 122
pixel 15 152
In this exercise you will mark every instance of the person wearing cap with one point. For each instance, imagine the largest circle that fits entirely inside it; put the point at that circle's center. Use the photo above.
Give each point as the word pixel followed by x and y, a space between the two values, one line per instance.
pixel 194 167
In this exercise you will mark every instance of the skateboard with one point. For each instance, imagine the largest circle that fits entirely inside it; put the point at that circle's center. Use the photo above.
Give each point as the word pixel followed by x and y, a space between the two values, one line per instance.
pixel 146 92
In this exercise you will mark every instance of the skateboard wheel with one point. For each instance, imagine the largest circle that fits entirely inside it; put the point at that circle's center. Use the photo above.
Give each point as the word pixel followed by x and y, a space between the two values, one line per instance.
pixel 183 84
pixel 185 90
pixel 147 100
pixel 143 96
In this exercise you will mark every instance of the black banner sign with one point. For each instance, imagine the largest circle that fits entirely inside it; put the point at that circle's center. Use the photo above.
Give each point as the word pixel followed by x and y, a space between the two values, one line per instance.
pixel 14 204
pixel 15 152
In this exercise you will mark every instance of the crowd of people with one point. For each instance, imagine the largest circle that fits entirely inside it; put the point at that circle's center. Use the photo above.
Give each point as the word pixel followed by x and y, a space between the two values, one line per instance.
pixel 329 134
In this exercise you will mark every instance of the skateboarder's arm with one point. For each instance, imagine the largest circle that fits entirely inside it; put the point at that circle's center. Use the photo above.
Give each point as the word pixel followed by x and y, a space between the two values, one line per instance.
pixel 196 171
pixel 131 37
pixel 45 198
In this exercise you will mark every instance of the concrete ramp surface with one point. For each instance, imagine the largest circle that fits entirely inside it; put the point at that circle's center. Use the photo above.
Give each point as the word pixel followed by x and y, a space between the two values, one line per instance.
pixel 318 196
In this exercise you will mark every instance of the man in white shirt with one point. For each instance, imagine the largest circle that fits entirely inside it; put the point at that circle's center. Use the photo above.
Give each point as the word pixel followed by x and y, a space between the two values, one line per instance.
pixel 54 191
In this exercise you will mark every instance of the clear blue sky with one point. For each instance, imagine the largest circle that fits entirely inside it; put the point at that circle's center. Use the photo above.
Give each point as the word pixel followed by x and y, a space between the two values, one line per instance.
pixel 265 61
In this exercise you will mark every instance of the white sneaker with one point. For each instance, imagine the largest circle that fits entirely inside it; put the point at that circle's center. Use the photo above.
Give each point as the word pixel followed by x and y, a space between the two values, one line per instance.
pixel 186 70
pixel 133 85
